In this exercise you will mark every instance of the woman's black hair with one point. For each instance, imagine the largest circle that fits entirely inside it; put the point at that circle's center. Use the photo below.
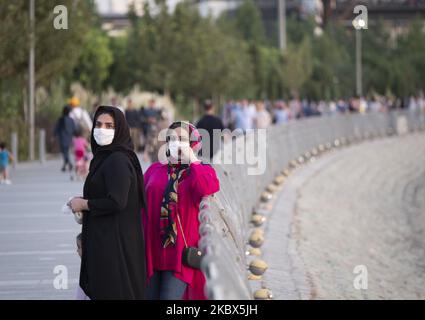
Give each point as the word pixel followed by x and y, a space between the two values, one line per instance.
pixel 65 113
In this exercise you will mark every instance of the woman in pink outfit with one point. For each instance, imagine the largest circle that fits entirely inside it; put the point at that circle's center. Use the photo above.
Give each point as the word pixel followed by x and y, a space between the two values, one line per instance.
pixel 174 191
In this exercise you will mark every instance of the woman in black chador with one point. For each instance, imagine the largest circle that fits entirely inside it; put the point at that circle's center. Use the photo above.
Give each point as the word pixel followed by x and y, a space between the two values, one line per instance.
pixel 113 248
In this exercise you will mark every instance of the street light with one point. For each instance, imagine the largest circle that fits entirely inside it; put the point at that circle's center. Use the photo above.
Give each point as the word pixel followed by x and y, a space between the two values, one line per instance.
pixel 281 8
pixel 31 81
pixel 359 24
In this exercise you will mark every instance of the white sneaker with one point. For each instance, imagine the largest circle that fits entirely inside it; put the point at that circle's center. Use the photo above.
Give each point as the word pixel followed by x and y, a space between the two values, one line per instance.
pixel 8 182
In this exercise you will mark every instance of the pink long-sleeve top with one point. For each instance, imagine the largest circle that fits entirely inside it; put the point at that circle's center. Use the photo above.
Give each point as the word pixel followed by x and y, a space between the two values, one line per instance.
pixel 199 181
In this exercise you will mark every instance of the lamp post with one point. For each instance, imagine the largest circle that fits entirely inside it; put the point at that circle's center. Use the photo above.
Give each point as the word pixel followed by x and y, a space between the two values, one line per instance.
pixel 31 81
pixel 359 75
pixel 281 8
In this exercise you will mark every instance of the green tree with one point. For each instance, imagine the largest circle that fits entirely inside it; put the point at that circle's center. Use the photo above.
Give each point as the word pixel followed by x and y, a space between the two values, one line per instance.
pixel 120 75
pixel 248 23
pixel 94 61
pixel 56 51
pixel 377 58
pixel 331 68
pixel 297 66
pixel 408 61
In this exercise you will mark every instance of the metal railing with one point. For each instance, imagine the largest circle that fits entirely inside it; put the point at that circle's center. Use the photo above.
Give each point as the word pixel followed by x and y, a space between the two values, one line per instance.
pixel 225 217
pixel 14 142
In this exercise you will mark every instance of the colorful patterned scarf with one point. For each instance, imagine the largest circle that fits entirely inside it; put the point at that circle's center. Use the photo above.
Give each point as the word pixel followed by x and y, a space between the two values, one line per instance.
pixel 169 204
pixel 175 173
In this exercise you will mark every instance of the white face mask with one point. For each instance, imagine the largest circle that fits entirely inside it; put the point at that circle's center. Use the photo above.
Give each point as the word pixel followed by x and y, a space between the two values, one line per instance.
pixel 103 137
pixel 174 147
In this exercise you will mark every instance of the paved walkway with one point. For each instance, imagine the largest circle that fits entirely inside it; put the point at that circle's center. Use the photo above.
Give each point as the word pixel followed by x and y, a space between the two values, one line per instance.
pixel 35 236
pixel 363 205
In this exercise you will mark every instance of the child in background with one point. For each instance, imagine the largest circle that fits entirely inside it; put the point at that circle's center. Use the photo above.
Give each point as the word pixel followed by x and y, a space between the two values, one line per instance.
pixel 80 152
pixel 80 293
pixel 5 158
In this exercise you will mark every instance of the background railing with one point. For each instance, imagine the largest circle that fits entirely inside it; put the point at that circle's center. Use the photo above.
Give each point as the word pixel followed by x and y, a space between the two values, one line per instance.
pixel 225 217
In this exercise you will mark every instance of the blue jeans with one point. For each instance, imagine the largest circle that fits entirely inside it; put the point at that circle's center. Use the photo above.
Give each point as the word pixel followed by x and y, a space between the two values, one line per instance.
pixel 164 286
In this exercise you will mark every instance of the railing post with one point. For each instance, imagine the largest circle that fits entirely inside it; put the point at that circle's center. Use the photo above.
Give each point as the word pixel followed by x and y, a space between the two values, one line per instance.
pixel 14 147
pixel 42 146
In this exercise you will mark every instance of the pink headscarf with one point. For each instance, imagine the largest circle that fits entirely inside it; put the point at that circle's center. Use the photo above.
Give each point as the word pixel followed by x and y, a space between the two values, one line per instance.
pixel 194 135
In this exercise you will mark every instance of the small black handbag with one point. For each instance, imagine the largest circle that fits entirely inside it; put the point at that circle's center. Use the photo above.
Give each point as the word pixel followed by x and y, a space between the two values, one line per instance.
pixel 191 256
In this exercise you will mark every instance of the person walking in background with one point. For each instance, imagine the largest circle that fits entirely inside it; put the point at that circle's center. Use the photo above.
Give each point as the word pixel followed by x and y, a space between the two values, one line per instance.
pixel 174 191
pixel 151 114
pixel 164 121
pixel 209 122
pixel 5 158
pixel 114 101
pixel 93 110
pixel 244 115
pixel 295 107
pixel 64 131
pixel 143 127
pixel 342 106
pixel 281 112
pixel 81 117
pixel 113 247
pixel 133 120
pixel 227 115
pixel 262 118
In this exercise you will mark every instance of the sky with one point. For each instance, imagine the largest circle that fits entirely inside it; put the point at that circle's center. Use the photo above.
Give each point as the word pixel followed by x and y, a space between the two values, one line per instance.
pixel 213 7
pixel 121 6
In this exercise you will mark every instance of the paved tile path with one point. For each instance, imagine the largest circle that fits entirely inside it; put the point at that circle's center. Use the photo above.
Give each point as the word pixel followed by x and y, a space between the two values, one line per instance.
pixel 35 236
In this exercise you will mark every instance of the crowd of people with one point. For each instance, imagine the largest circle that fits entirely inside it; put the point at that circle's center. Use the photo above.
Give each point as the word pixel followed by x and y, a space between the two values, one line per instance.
pixel 245 114
pixel 146 122
pixel 74 126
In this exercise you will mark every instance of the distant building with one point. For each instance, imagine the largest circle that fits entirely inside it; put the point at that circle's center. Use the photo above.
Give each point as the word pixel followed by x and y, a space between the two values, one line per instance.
pixel 114 13
pixel 115 21
pixel 117 7
pixel 215 8
pixel 397 13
